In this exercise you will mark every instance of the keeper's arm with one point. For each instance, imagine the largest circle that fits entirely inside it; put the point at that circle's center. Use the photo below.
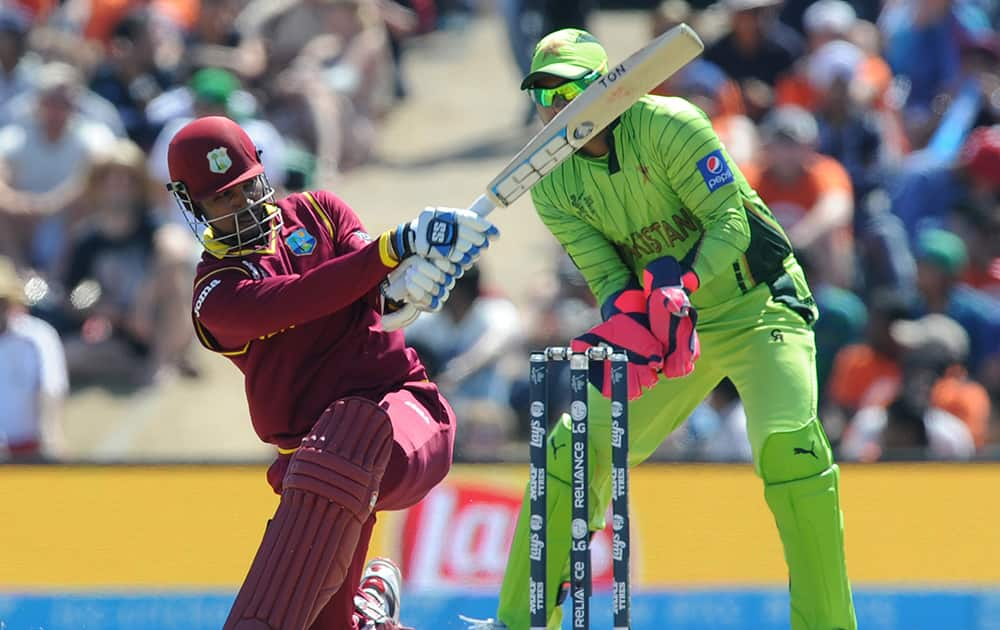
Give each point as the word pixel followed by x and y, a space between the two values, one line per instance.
pixel 687 145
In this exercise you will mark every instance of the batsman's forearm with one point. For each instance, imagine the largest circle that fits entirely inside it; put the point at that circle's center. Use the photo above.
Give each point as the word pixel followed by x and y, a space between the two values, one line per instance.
pixel 251 308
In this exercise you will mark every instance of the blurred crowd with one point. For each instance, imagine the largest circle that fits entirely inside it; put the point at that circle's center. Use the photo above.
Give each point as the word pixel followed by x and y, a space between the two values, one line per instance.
pixel 871 128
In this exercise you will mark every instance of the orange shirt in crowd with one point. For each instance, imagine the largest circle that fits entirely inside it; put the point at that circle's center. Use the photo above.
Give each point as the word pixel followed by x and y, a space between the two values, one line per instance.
pixel 795 89
pixel 792 200
pixel 106 14
pixel 861 377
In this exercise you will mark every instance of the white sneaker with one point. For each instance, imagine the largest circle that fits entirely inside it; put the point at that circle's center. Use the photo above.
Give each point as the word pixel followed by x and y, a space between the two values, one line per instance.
pixel 378 601
pixel 483 624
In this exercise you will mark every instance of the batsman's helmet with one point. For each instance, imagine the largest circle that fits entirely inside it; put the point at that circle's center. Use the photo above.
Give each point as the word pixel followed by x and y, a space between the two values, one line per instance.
pixel 208 156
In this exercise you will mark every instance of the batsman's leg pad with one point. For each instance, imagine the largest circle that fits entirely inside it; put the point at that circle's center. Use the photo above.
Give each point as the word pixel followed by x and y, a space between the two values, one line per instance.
pixel 801 485
pixel 329 492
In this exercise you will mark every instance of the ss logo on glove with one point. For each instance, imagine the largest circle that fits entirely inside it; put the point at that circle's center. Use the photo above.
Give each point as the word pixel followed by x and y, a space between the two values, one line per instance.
pixel 440 232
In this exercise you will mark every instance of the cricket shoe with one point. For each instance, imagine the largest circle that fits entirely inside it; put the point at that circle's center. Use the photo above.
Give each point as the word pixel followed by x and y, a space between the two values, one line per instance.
pixel 483 624
pixel 377 603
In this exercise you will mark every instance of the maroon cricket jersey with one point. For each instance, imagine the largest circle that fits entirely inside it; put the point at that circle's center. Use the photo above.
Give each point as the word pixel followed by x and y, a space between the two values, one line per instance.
pixel 300 318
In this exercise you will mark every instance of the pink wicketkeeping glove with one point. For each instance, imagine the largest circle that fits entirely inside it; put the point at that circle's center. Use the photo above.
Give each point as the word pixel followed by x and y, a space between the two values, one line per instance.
pixel 625 331
pixel 672 318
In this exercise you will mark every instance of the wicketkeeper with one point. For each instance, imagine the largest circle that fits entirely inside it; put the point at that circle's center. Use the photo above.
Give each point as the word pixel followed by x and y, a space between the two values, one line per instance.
pixel 697 282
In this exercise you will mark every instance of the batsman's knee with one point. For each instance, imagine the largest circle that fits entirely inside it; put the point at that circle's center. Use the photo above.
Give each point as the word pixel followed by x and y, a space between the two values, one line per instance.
pixel 799 454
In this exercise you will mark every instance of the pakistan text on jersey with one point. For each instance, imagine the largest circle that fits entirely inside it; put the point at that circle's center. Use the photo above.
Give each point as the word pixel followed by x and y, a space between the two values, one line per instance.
pixel 653 238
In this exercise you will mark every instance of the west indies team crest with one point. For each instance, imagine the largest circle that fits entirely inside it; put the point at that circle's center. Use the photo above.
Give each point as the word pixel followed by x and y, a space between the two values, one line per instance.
pixel 301 243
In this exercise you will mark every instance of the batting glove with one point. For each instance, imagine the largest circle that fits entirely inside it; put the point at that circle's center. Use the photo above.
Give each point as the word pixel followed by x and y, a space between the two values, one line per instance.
pixel 672 318
pixel 421 282
pixel 453 234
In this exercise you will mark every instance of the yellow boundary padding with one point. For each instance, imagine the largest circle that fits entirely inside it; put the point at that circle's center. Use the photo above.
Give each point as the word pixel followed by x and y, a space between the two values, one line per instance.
pixel 695 525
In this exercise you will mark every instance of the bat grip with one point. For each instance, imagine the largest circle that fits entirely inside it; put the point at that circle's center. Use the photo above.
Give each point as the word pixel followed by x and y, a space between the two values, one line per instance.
pixel 482 205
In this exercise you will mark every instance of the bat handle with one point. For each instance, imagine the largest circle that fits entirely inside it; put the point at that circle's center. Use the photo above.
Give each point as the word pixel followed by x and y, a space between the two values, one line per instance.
pixel 482 205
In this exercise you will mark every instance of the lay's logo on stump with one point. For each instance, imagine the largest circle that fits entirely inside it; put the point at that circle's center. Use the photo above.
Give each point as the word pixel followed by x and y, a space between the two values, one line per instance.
pixel 715 170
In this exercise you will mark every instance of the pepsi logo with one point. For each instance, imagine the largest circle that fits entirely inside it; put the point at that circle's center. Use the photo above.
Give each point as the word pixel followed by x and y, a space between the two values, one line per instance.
pixel 715 170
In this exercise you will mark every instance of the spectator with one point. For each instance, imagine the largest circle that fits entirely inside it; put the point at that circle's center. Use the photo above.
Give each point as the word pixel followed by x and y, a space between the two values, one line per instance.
pixel 849 128
pixel 20 66
pixel 980 229
pixel 215 42
pixel 826 21
pixel 526 21
pixel 32 378
pixel 866 373
pixel 842 321
pixel 757 50
pixel 214 92
pixel 467 339
pixel 128 281
pixel 869 374
pixel 809 193
pixel 329 75
pixel 43 165
pixel 844 81
pixel 883 248
pixel 922 48
pixel 980 59
pixel 794 12
pixel 953 391
pixel 15 70
pixel 927 190
pixel 131 74
pixel 941 259
pixel 912 424
pixel 97 20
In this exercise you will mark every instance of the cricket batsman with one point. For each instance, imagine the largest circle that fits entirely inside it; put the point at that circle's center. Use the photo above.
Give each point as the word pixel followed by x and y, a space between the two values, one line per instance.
pixel 698 282
pixel 289 290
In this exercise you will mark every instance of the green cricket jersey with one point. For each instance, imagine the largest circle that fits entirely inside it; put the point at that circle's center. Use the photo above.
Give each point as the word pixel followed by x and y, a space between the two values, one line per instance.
pixel 668 188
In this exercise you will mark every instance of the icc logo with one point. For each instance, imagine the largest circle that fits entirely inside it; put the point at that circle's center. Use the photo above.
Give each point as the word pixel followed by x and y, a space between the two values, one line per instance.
pixel 537 408
pixel 714 164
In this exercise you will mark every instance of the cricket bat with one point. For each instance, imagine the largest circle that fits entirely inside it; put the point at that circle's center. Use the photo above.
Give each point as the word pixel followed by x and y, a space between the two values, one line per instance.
pixel 579 122
pixel 588 114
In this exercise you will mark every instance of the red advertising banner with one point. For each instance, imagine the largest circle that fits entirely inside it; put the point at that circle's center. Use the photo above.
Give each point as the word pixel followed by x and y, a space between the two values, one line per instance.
pixel 458 536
